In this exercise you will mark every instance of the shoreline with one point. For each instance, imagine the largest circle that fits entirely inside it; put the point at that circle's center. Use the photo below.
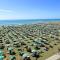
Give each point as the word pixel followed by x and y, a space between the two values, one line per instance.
pixel 28 21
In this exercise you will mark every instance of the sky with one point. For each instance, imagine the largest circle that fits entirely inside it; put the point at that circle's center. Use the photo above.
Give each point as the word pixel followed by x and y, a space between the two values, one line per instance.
pixel 29 9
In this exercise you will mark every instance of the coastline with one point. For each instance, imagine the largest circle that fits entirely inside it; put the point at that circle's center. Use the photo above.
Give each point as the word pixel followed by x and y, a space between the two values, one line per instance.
pixel 27 21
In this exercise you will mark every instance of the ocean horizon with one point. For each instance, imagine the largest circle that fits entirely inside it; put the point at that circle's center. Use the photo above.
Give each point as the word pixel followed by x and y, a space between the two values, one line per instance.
pixel 26 21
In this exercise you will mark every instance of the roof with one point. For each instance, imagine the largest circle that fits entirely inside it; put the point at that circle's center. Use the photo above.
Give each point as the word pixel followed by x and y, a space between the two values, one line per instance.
pixel 1 57
pixel 25 55
pixel 1 52
pixel 33 50
pixel 10 48
pixel 11 57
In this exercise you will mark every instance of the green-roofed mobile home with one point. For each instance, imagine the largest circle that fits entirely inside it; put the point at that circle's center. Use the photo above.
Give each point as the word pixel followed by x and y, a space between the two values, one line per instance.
pixel 1 53
pixel 1 57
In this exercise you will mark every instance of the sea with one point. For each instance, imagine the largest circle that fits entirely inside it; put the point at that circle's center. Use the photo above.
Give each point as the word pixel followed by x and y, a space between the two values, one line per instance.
pixel 26 21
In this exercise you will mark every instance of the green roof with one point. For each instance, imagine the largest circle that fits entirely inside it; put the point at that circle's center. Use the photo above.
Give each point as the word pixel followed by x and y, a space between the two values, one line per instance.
pixel 1 53
pixel 11 57
pixel 1 57
pixel 10 48
pixel 25 55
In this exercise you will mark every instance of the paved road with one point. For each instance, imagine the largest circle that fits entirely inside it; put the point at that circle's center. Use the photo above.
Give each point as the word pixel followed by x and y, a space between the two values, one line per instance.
pixel 54 57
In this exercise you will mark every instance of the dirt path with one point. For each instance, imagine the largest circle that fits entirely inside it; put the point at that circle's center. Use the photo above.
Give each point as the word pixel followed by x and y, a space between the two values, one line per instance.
pixel 54 57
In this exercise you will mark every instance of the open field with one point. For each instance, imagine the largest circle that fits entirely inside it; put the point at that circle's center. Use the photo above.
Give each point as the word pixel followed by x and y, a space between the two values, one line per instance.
pixel 42 38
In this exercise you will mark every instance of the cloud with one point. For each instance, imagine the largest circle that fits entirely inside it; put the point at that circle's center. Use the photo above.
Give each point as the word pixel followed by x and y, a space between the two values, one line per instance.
pixel 6 14
pixel 5 10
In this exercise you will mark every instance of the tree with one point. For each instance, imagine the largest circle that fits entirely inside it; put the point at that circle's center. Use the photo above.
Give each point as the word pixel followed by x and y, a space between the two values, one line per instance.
pixel 36 55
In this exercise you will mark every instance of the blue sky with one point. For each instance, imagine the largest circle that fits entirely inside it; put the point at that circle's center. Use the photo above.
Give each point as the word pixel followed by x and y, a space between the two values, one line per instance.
pixel 29 9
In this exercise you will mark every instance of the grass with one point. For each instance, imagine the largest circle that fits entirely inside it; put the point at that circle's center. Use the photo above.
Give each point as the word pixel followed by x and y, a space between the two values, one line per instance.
pixel 59 59
pixel 49 53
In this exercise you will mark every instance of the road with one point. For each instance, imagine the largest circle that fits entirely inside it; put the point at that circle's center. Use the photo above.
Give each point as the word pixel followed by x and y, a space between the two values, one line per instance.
pixel 54 57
